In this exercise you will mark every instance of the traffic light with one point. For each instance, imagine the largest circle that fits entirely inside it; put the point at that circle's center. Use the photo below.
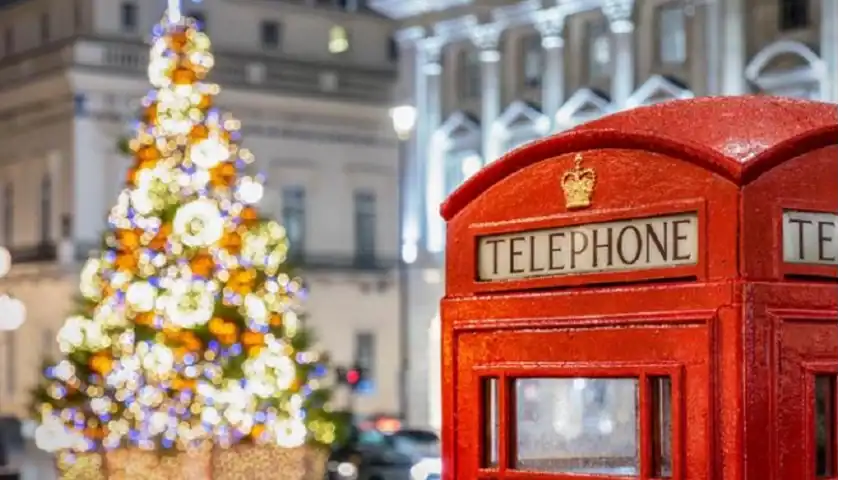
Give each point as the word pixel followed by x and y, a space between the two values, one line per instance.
pixel 351 377
pixel 354 376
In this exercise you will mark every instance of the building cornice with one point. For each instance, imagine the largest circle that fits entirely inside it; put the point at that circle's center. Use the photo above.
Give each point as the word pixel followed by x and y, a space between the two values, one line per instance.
pixel 526 12
pixel 281 74
pixel 321 10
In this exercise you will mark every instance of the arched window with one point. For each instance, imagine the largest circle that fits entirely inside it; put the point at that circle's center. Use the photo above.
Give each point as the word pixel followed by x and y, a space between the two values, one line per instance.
pixel 658 89
pixel 789 69
pixel 519 124
pixel 583 106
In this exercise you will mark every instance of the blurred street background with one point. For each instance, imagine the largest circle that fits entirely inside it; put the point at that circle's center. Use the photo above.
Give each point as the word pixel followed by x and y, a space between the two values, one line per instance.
pixel 363 115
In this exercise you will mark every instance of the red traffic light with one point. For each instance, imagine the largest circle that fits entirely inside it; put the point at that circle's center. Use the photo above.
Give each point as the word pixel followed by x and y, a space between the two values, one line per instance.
pixel 353 376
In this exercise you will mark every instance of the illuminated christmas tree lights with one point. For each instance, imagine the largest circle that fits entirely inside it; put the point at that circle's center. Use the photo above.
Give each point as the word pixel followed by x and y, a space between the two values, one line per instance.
pixel 189 328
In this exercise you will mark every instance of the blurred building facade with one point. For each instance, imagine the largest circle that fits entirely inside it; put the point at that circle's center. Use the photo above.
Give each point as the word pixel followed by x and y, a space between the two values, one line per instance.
pixel 486 76
pixel 311 82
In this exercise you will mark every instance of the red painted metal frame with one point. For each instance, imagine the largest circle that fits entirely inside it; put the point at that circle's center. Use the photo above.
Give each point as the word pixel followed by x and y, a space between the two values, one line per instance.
pixel 738 162
pixel 642 371
pixel 769 309
pixel 464 313
pixel 792 383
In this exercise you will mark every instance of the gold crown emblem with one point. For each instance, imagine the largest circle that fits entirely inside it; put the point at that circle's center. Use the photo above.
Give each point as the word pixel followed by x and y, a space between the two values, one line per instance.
pixel 578 184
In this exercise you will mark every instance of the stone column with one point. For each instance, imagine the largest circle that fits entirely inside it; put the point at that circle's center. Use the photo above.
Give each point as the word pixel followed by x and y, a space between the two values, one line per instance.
pixel 486 39
pixel 430 102
pixel 619 15
pixel 412 191
pixel 57 201
pixel 551 28
pixel 733 48
pixel 712 45
pixel 91 150
pixel 828 47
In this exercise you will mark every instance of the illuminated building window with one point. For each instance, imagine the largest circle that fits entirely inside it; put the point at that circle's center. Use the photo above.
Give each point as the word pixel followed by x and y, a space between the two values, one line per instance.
pixel 532 61
pixel 672 35
pixel 338 42
pixel 599 50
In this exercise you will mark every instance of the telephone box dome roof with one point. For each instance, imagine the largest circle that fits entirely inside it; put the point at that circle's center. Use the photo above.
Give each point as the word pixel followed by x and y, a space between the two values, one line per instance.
pixel 738 138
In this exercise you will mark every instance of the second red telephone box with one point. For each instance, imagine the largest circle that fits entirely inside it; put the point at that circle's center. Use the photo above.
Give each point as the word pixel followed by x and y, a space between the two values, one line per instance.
pixel 652 295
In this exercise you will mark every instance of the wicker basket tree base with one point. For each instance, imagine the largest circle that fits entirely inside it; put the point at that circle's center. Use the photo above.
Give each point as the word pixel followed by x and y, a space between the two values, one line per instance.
pixel 242 462
pixel 127 464
pixel 84 466
pixel 266 462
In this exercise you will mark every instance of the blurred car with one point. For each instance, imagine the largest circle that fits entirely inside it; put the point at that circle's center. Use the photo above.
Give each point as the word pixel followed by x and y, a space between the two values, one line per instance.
pixel 11 447
pixel 427 469
pixel 382 453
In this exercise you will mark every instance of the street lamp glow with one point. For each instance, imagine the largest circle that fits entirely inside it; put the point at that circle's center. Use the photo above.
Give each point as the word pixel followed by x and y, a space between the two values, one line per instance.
pixel 403 120
pixel 409 252
pixel 471 165
pixel 12 313
pixel 5 261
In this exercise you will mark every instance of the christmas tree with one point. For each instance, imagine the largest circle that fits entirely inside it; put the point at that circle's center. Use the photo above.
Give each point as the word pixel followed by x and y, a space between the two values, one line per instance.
pixel 188 329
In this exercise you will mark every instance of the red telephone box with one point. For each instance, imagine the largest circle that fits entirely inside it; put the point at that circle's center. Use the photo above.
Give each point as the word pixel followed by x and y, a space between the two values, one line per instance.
pixel 652 295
